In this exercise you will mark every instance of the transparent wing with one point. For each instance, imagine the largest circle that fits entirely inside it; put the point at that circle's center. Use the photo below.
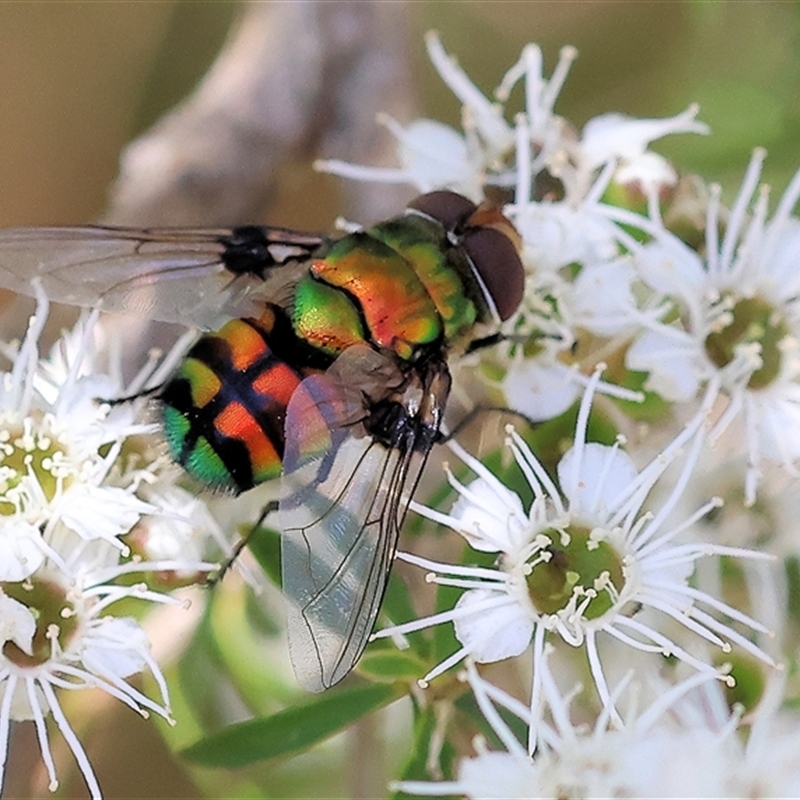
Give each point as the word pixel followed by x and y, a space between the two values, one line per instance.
pixel 191 276
pixel 345 495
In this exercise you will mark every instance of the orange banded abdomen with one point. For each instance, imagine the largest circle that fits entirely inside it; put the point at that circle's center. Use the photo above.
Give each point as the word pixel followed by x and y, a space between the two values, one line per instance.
pixel 225 408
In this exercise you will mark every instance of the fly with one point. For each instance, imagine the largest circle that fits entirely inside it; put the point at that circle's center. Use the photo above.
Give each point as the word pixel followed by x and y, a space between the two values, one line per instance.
pixel 324 366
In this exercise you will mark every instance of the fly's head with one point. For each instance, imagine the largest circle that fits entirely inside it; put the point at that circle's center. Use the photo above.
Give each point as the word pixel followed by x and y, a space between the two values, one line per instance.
pixel 486 247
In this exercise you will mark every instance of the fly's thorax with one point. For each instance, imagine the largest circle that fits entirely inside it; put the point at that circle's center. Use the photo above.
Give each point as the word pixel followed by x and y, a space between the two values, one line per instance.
pixel 409 416
pixel 327 317
pixel 223 411
pixel 395 286
pixel 424 244
pixel 365 291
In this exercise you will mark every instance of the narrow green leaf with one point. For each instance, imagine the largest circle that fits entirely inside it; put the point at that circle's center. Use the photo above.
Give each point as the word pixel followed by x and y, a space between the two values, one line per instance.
pixel 443 636
pixel 243 652
pixel 198 672
pixel 397 604
pixel 654 406
pixel 792 567
pixel 416 766
pixel 292 730
pixel 265 545
pixel 388 665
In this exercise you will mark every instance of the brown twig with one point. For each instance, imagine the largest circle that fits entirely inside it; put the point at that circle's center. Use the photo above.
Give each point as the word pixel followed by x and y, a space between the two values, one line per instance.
pixel 294 81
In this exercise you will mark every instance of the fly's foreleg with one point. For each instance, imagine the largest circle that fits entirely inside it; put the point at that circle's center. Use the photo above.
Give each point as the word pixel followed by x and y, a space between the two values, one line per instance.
pixel 213 580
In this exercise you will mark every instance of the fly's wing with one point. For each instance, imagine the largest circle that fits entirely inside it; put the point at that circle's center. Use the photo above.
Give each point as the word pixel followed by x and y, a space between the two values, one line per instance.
pixel 191 276
pixel 345 494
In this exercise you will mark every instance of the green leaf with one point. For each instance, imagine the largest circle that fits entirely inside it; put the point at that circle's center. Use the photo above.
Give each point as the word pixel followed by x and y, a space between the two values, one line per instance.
pixel 416 766
pixel 265 545
pixel 245 654
pixel 750 681
pixel 293 730
pixel 397 604
pixel 654 406
pixel 388 665
pixel 792 567
pixel 199 673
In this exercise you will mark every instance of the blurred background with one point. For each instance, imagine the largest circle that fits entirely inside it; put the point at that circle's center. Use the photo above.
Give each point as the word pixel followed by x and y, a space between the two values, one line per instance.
pixel 80 80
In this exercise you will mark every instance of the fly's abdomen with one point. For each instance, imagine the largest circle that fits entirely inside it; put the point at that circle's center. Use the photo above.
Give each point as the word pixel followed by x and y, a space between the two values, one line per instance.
pixel 225 408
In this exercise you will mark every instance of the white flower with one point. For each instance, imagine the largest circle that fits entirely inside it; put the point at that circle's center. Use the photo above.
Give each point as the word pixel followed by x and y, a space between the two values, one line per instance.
pixel 607 299
pixel 738 325
pixel 434 155
pixel 182 528
pixel 716 757
pixel 541 387
pixel 616 136
pixel 50 457
pixel 58 635
pixel 61 471
pixel 684 744
pixel 582 563
pixel 569 226
pixel 558 177
pixel 566 225
pixel 545 375
pixel 70 493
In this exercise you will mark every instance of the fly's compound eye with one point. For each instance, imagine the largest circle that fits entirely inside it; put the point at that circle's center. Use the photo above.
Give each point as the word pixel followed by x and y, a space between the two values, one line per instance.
pixel 493 245
pixel 490 242
pixel 448 208
pixel 497 265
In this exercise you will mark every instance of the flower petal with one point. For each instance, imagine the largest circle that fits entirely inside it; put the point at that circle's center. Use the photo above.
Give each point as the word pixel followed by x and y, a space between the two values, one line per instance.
pixel 492 634
pixel 21 553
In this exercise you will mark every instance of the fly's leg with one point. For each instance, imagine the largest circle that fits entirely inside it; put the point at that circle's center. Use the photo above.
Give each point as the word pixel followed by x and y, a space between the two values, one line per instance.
pixel 498 338
pixel 118 401
pixel 213 580
pixel 486 341
pixel 445 436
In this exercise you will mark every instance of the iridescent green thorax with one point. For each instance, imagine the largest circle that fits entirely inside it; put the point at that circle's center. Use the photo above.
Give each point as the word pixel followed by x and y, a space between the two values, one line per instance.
pixel 392 286
pixel 423 243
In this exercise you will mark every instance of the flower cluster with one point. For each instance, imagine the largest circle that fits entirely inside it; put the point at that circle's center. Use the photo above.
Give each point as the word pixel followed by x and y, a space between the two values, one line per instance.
pixel 684 744
pixel 611 560
pixel 584 561
pixel 615 555
pixel 81 497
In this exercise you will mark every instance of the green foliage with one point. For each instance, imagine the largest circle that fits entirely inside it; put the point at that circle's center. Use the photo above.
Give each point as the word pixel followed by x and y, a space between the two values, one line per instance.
pixel 265 545
pixel 792 567
pixel 292 730
pixel 388 665
pixel 654 406
pixel 416 767
pixel 750 682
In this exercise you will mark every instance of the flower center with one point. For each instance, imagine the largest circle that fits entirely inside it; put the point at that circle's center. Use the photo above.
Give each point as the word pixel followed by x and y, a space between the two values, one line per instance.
pixel 751 320
pixel 54 615
pixel 576 570
pixel 28 450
